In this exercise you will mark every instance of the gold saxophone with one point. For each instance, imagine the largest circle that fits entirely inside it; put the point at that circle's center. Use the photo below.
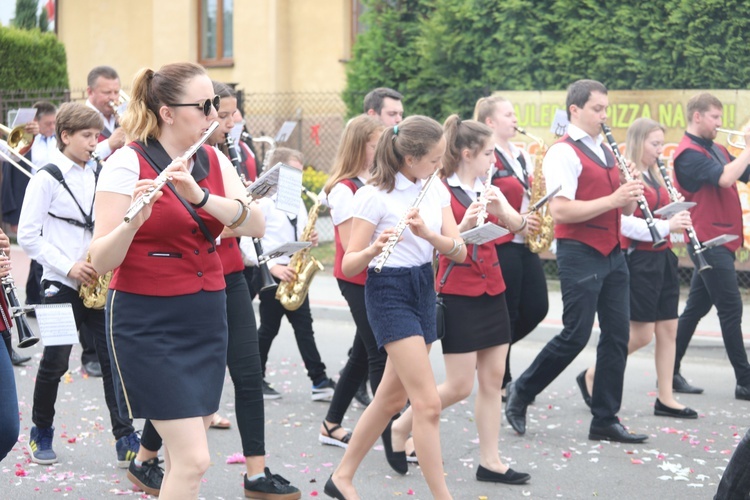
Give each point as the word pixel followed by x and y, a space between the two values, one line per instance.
pixel 292 294
pixel 95 295
pixel 540 240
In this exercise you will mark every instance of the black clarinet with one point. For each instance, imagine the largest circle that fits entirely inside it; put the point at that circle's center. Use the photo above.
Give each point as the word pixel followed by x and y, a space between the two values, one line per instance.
pixel 674 196
pixel 234 156
pixel 265 274
pixel 642 203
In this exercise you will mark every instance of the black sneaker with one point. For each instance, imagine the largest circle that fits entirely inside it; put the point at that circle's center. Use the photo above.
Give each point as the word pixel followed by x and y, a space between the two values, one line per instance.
pixel 323 390
pixel 148 476
pixel 362 396
pixel 271 487
pixel 269 392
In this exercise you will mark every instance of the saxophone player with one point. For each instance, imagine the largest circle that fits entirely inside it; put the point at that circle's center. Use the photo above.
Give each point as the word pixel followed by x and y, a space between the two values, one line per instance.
pixel 594 277
pixel 55 228
pixel 282 228
pixel 526 295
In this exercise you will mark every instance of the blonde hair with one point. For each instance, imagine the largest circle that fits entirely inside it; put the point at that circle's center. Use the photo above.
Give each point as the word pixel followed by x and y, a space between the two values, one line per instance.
pixel 460 135
pixel 352 152
pixel 414 136
pixel 486 106
pixel 73 117
pixel 151 91
pixel 638 131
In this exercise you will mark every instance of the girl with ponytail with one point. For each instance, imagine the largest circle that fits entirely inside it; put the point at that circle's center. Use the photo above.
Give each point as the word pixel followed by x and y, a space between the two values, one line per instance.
pixel 473 290
pixel 400 300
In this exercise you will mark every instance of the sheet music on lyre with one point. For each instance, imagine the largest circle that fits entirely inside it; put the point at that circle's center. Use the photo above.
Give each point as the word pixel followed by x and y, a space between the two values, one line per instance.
pixel 668 211
pixel 57 325
pixel 288 248
pixel 283 180
pixel 484 233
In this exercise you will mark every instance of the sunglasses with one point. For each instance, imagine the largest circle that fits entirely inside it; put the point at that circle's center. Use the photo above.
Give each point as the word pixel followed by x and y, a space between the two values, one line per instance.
pixel 204 105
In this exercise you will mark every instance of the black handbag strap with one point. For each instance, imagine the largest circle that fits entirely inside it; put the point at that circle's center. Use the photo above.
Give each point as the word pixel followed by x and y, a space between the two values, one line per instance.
pixel 157 148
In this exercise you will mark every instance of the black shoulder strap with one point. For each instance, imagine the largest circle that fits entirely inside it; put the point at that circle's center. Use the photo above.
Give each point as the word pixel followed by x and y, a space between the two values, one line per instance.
pixel 357 182
pixel 55 172
pixel 461 195
pixel 141 148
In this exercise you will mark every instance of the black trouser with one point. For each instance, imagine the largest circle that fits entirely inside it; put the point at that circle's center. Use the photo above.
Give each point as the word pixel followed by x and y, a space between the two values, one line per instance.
pixel 591 284
pixel 365 356
pixel 715 287
pixel 271 312
pixel 250 272
pixel 34 283
pixel 243 360
pixel 55 361
pixel 525 293
pixel 735 482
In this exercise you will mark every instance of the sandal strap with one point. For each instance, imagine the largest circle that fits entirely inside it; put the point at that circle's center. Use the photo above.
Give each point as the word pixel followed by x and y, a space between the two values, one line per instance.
pixel 332 430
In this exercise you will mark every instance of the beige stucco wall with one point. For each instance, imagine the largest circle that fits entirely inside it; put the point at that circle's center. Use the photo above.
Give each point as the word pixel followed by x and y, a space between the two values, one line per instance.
pixel 279 45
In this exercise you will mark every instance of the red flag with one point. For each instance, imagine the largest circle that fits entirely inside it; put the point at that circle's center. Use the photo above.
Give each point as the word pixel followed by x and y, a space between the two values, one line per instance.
pixel 50 6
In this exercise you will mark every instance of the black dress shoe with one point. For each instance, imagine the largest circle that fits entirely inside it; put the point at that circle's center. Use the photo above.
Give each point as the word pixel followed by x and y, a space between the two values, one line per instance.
pixel 662 410
pixel 742 392
pixel 679 384
pixel 510 477
pixel 18 360
pixel 92 368
pixel 615 432
pixel 396 459
pixel 362 396
pixel 515 409
pixel 331 490
pixel 581 380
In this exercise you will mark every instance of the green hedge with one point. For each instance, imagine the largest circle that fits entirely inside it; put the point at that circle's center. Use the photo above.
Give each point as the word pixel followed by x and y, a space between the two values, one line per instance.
pixel 31 60
pixel 447 53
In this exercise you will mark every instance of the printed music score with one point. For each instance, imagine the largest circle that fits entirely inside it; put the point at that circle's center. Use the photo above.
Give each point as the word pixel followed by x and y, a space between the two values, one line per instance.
pixel 484 233
pixel 677 206
pixel 57 326
pixel 284 249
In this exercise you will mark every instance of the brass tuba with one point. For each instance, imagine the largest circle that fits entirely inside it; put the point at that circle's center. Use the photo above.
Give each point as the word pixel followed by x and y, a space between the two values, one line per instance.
pixel 292 294
pixel 540 240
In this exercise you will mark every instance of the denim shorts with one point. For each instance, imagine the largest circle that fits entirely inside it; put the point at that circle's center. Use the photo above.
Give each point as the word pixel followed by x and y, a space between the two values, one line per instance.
pixel 400 303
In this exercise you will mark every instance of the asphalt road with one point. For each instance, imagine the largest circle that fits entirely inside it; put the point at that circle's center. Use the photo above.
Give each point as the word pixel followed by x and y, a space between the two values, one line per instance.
pixel 682 459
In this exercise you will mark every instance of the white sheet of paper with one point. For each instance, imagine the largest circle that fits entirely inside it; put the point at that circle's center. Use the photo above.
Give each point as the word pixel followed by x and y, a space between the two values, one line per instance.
pixel 289 192
pixel 285 249
pixel 267 184
pixel 236 131
pixel 674 207
pixel 57 326
pixel 559 123
pixel 285 132
pixel 719 240
pixel 24 116
pixel 483 234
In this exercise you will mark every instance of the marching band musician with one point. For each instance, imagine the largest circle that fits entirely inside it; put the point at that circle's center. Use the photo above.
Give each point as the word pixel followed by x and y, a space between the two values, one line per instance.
pixel 243 358
pixel 14 186
pixel 55 228
pixel 400 299
pixel 103 90
pixel 526 293
pixel 654 279
pixel 706 173
pixel 282 228
pixel 351 170
pixel 9 417
pixel 155 345
pixel 592 268
pixel 473 290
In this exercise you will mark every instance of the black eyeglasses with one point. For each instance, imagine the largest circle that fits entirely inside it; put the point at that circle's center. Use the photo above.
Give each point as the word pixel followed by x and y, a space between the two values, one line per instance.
pixel 205 105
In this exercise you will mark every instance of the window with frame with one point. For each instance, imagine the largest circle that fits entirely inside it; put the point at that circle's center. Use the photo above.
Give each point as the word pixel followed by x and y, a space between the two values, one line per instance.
pixel 216 32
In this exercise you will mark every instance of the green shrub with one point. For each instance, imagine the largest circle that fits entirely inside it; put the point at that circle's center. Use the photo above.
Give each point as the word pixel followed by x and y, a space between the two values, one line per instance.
pixel 31 60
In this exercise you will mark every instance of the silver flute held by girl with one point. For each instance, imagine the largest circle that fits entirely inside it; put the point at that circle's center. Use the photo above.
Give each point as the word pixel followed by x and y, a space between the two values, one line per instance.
pixel 482 216
pixel 162 179
pixel 642 203
pixel 393 240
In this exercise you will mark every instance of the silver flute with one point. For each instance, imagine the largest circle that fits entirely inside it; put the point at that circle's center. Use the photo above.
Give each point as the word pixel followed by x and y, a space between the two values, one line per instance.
pixel 162 179
pixel 393 240
pixel 482 216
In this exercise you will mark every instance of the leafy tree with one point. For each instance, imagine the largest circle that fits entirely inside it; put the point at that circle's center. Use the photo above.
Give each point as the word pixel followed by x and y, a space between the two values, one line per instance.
pixel 25 14
pixel 43 21
pixel 384 55
pixel 18 47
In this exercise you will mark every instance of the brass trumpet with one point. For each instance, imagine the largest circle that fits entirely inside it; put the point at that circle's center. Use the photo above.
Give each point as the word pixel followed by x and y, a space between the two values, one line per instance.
pixel 737 143
pixel 18 138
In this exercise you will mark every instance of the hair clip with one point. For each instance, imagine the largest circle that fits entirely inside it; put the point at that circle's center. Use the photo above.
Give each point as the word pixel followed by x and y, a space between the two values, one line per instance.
pixel 395 129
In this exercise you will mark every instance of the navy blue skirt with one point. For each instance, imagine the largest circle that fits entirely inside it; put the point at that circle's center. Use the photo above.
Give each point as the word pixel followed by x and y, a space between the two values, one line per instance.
pixel 168 354
pixel 400 303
